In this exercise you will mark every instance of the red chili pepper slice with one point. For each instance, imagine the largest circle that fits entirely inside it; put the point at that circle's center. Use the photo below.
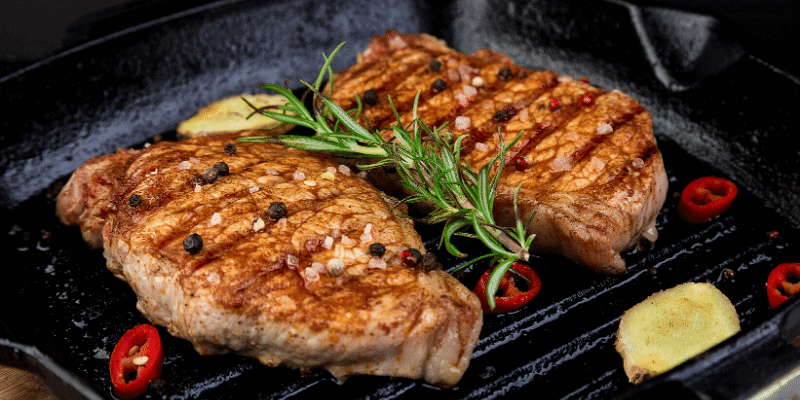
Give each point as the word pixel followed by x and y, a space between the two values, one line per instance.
pixel 136 361
pixel 706 198
pixel 512 297
pixel 783 283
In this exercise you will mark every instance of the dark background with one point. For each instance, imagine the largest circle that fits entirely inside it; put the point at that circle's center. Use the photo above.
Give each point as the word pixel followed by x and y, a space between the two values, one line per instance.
pixel 32 30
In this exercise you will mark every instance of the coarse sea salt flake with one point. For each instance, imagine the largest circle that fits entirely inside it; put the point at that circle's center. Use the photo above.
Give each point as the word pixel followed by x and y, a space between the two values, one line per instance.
pixel 561 164
pixel 480 146
pixel 312 275
pixel 270 171
pixel 638 163
pixel 376 262
pixel 470 90
pixel 328 243
pixel 298 176
pixel 215 219
pixel 604 129
pixel 184 165
pixel 259 224
pixel 344 169
pixel 463 122
pixel 254 189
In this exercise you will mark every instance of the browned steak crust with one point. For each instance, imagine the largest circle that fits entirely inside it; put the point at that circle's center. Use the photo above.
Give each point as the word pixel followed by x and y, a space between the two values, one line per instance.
pixel 587 161
pixel 261 284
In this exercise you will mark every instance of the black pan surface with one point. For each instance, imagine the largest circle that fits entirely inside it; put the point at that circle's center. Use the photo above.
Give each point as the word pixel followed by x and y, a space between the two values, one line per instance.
pixel 716 110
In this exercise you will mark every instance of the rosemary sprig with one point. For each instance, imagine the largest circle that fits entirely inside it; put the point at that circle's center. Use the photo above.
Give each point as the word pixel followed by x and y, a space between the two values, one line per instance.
pixel 428 161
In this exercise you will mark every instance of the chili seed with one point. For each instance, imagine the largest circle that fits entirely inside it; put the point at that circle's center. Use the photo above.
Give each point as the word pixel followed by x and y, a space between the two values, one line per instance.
pixel 222 168
pixel 377 249
pixel 435 66
pixel 230 149
pixel 505 113
pixel 276 210
pixel 438 85
pixel 193 243
pixel 210 175
pixel 140 360
pixel 135 200
pixel 430 262
pixel 371 97
pixel 504 73
pixel 728 273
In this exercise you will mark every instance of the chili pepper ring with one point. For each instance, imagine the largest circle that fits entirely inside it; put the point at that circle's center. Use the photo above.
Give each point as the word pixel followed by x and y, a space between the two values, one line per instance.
pixel 705 198
pixel 136 361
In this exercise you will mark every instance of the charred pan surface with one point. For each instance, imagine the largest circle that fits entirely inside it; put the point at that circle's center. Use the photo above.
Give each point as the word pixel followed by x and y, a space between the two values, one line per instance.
pixel 587 161
pixel 265 283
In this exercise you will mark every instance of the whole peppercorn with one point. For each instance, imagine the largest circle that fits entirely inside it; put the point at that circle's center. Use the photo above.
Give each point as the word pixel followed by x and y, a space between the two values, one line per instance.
pixel 371 97
pixel 435 66
pixel 411 257
pixel 210 175
pixel 196 179
pixel 135 200
pixel 222 168
pixel 430 262
pixel 438 85
pixel 377 250
pixel 588 100
pixel 276 210
pixel 230 149
pixel 504 73
pixel 505 113
pixel 521 163
pixel 193 243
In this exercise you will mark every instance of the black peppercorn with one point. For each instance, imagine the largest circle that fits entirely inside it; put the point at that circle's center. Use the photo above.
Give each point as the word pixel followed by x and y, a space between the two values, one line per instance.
pixel 504 73
pixel 430 262
pixel 276 210
pixel 222 168
pixel 377 249
pixel 230 149
pixel 193 243
pixel 210 175
pixel 435 66
pixel 370 97
pixel 196 179
pixel 438 85
pixel 504 113
pixel 135 200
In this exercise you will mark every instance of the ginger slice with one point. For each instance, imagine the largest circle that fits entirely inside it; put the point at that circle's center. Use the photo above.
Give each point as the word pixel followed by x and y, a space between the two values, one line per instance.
pixel 672 326
pixel 230 115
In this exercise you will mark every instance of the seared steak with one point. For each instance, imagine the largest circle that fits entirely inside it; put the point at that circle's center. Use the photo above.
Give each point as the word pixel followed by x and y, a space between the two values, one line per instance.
pixel 587 161
pixel 292 285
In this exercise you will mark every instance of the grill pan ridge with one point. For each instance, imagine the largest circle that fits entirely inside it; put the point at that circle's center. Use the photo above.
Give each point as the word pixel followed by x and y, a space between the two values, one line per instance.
pixel 124 89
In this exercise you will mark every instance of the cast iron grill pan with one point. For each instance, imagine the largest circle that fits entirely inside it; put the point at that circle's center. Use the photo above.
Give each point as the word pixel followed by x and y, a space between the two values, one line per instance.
pixel 60 300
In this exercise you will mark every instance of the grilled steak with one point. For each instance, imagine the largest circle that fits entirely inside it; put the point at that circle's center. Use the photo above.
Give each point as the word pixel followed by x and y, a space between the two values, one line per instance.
pixel 281 269
pixel 587 160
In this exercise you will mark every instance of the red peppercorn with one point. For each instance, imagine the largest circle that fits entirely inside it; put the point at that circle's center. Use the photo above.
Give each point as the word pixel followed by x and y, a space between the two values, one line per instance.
pixel 411 257
pixel 521 163
pixel 554 104
pixel 588 100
